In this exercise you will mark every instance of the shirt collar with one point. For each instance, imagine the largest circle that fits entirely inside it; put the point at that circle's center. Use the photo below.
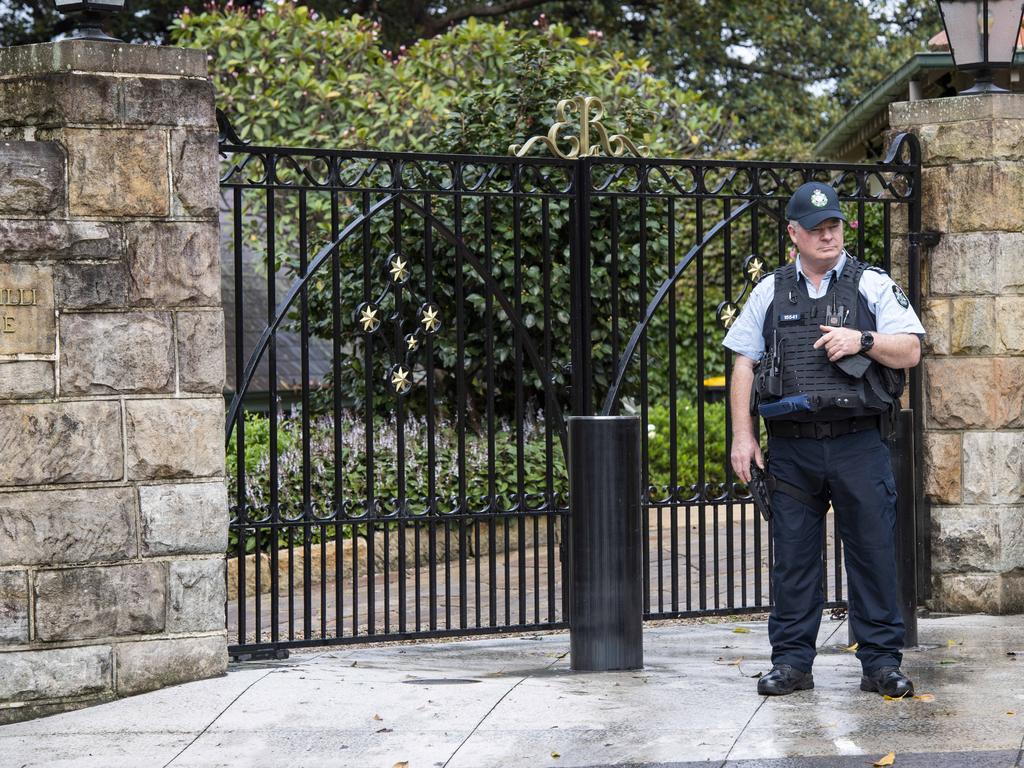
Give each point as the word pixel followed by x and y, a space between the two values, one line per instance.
pixel 837 269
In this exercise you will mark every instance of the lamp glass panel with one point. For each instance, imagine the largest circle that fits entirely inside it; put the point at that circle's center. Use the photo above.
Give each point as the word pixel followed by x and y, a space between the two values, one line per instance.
pixel 1003 28
pixel 66 3
pixel 963 22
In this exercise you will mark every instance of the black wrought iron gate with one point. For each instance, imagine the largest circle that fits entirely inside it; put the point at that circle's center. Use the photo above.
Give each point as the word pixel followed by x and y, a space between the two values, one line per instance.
pixel 407 333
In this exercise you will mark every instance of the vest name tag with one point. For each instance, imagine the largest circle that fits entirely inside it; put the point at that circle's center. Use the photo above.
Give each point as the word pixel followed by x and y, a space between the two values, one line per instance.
pixel 792 318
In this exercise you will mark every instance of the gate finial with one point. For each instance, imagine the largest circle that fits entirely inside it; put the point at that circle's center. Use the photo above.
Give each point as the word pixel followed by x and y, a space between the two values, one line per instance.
pixel 591 111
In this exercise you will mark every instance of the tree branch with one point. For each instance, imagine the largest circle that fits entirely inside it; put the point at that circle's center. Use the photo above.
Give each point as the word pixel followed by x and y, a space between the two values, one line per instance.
pixel 737 64
pixel 441 23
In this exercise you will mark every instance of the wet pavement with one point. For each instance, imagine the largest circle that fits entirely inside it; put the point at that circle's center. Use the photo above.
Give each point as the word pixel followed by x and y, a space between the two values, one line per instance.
pixel 514 702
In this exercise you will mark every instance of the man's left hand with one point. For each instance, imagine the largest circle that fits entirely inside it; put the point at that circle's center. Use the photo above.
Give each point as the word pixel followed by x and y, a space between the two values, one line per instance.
pixel 838 342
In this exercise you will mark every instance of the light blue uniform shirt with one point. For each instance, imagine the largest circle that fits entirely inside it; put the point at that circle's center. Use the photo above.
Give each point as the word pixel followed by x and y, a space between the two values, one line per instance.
pixel 878 289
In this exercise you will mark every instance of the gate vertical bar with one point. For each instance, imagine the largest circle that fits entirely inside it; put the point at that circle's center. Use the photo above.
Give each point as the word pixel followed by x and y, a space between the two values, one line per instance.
pixel 922 513
pixel 579 329
pixel 242 513
pixel 579 275
pixel 275 511
pixel 307 457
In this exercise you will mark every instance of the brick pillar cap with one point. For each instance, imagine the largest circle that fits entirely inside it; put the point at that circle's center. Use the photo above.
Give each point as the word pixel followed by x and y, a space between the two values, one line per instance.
pixel 95 56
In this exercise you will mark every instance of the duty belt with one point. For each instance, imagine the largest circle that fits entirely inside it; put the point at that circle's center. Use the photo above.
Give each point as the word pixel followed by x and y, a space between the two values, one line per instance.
pixel 820 429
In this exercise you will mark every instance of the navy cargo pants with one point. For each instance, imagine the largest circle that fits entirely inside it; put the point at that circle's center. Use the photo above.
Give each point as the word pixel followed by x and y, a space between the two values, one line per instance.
pixel 855 471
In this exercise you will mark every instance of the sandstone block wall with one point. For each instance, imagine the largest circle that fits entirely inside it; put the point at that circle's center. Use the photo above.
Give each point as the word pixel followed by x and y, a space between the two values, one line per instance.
pixel 973 310
pixel 113 516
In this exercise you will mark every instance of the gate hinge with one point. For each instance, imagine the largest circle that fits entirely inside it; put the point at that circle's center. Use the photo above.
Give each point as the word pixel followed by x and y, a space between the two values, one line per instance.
pixel 927 239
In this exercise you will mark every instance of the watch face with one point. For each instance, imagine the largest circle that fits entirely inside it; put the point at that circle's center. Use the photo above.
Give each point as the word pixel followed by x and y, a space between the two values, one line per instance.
pixel 866 340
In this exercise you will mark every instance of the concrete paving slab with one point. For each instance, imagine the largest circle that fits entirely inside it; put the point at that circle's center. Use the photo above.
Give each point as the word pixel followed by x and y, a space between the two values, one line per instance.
pixel 142 730
pixel 976 691
pixel 985 759
pixel 514 702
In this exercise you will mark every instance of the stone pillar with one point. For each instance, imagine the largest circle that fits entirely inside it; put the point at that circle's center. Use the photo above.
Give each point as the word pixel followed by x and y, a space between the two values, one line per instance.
pixel 973 307
pixel 113 511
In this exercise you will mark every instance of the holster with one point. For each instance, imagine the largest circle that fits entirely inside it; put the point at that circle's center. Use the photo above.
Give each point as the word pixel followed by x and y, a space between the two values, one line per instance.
pixel 763 485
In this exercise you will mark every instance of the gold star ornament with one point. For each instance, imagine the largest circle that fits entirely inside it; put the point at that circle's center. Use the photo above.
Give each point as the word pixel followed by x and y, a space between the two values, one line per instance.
pixel 755 268
pixel 412 343
pixel 400 380
pixel 398 269
pixel 368 318
pixel 727 315
pixel 431 321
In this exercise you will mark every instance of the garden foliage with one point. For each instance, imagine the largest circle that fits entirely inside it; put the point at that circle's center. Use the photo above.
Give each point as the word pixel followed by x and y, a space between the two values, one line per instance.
pixel 288 76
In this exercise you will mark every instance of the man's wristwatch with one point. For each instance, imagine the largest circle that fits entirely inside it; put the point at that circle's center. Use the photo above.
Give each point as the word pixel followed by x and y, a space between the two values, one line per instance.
pixel 867 341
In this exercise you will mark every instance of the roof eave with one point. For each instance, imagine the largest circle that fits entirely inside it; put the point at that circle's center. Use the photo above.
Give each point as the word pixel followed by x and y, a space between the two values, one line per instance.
pixel 878 98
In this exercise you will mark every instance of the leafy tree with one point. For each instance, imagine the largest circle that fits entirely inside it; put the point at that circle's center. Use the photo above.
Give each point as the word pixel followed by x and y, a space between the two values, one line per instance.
pixel 403 21
pixel 289 76
pixel 785 69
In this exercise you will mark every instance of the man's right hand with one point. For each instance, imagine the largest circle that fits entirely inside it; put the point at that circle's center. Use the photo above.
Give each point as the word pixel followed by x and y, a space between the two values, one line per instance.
pixel 744 450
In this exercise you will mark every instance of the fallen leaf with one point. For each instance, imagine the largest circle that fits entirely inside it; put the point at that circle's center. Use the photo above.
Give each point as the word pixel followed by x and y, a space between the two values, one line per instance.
pixel 852 648
pixel 883 761
pixel 384 730
pixel 377 717
pixel 948 661
pixel 353 663
pixel 887 697
pixel 403 764
pixel 759 674
pixel 951 643
pixel 925 697
pixel 555 755
pixel 1011 713
pixel 741 630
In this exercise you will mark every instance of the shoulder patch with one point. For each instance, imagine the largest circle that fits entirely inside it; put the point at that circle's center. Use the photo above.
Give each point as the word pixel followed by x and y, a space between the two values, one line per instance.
pixel 901 297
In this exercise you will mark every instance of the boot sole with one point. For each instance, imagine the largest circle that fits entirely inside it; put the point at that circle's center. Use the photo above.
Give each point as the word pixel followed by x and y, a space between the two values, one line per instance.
pixel 803 685
pixel 868 686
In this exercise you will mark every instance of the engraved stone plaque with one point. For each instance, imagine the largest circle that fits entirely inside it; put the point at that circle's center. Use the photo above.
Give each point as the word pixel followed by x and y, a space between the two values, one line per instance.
pixel 26 310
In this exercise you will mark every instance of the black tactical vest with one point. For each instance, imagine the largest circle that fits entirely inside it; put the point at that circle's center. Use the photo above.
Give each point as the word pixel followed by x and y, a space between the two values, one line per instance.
pixel 795 318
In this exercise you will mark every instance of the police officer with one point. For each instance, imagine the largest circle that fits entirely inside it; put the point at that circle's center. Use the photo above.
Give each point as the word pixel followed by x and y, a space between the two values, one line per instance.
pixel 821 344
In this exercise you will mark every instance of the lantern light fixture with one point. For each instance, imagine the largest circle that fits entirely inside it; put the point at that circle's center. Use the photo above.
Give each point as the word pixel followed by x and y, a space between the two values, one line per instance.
pixel 982 36
pixel 88 25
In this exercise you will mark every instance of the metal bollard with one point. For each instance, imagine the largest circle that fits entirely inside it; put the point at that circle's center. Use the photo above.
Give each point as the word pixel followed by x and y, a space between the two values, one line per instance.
pixel 605 563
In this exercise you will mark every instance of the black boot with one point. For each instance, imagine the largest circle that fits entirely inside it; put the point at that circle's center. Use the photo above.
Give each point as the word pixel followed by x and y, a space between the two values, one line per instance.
pixel 784 679
pixel 888 681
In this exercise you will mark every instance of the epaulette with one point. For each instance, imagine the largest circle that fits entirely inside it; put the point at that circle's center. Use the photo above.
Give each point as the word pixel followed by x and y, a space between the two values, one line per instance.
pixel 879 270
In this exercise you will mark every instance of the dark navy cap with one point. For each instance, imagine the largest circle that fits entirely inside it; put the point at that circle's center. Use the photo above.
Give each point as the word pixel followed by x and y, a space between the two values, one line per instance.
pixel 812 203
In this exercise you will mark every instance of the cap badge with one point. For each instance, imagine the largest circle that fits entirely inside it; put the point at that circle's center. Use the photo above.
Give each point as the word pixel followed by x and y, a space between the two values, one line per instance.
pixel 818 199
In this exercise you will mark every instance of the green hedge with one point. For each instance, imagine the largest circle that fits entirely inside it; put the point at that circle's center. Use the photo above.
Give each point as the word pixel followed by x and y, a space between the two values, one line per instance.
pixel 446 464
pixel 659 444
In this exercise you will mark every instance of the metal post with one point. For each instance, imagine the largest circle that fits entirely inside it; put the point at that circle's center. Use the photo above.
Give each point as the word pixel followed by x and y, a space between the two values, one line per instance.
pixel 579 304
pixel 906 523
pixel 605 608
